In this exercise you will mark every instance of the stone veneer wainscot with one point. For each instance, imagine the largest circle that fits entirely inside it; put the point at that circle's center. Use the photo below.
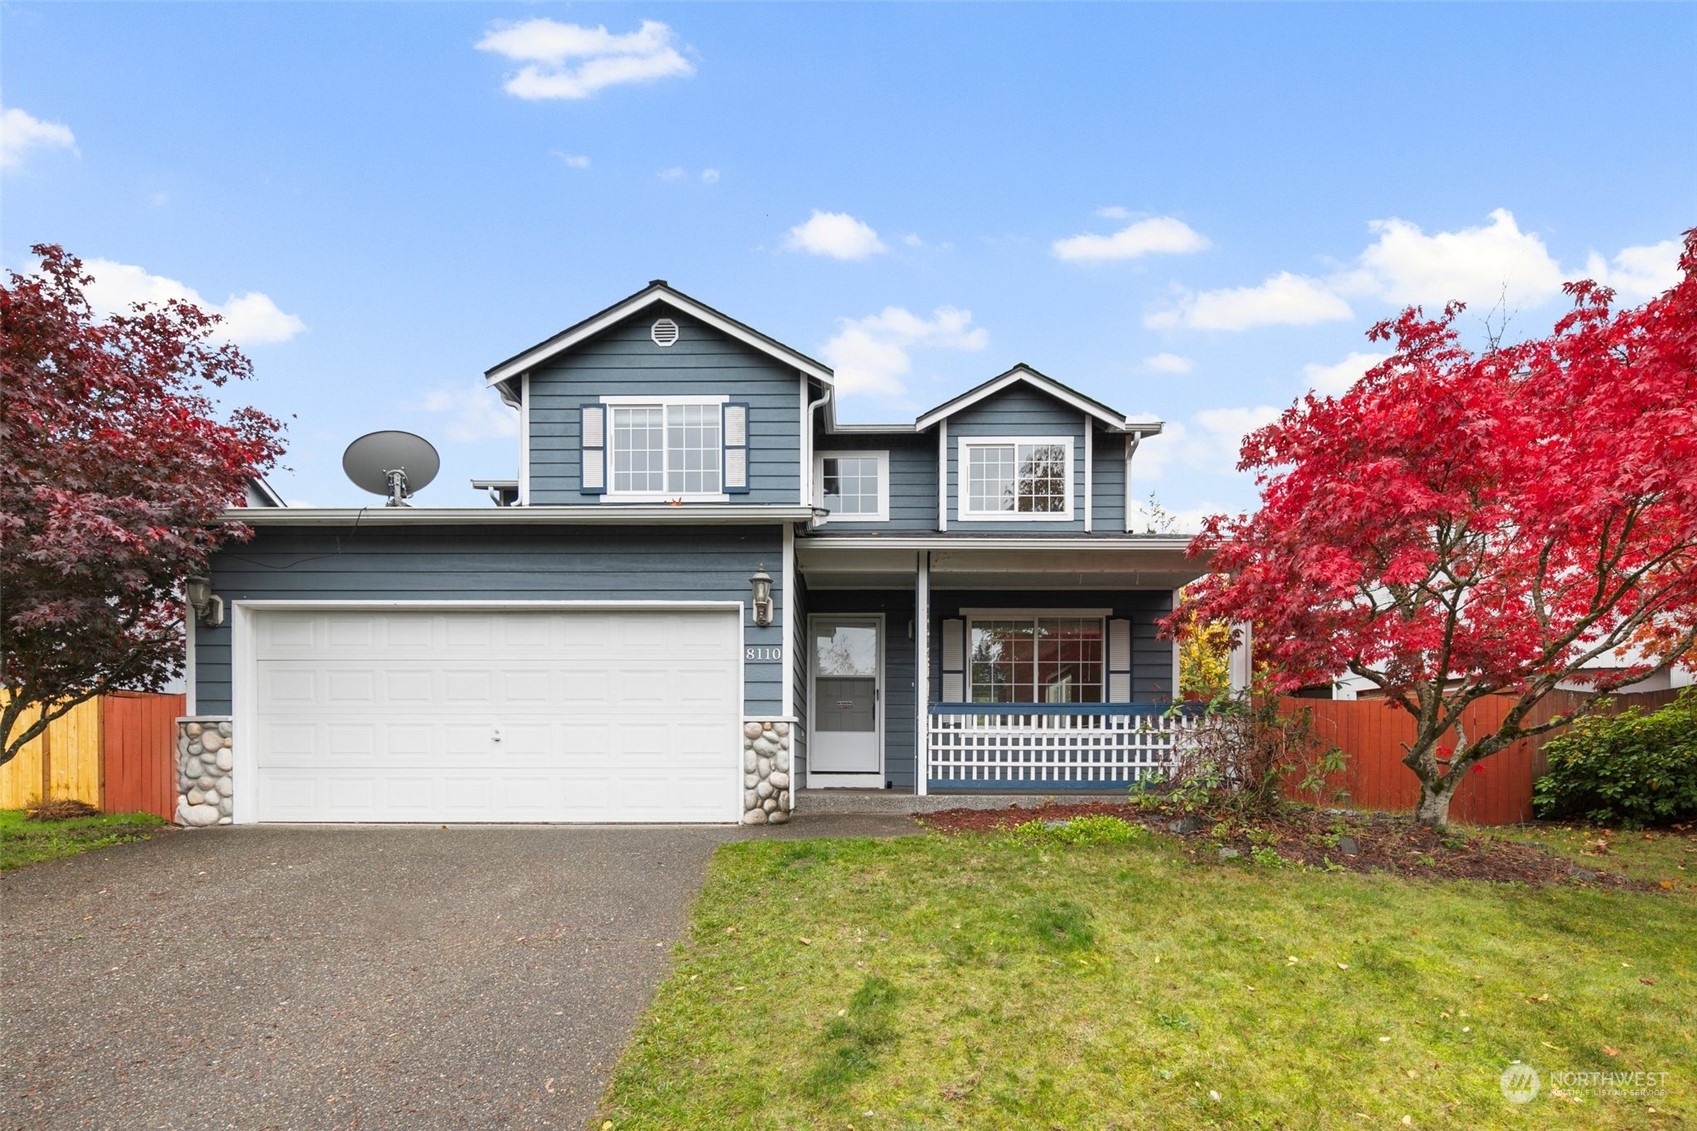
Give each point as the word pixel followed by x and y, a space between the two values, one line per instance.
pixel 766 772
pixel 205 756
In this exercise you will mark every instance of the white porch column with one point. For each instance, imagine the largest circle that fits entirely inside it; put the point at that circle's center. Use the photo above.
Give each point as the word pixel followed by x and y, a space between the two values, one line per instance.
pixel 922 673
pixel 1240 665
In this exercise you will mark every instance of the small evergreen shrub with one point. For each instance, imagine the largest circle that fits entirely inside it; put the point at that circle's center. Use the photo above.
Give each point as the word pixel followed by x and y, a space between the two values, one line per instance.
pixel 1629 770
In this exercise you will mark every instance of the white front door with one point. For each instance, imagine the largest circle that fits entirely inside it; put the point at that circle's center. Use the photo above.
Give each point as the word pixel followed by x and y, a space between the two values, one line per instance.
pixel 496 715
pixel 846 746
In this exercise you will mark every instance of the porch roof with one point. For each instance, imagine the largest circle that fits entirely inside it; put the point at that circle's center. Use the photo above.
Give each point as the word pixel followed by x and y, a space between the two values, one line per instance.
pixel 1147 561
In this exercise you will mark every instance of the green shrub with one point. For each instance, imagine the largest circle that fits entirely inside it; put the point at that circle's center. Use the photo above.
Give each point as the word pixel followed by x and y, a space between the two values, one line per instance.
pixel 1630 770
pixel 1097 829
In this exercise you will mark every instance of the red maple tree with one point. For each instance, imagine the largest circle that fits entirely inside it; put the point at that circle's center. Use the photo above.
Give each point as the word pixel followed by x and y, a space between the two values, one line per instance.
pixel 114 468
pixel 1461 524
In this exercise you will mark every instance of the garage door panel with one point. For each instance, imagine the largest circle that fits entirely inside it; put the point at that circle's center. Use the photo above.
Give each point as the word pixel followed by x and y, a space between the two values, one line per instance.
pixel 498 716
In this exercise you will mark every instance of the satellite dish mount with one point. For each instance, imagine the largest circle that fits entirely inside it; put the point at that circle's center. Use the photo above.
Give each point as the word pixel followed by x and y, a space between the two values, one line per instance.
pixel 391 464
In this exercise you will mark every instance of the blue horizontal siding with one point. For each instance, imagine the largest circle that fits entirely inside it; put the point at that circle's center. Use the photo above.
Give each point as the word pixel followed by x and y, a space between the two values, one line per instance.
pixel 492 564
pixel 624 361
pixel 1107 483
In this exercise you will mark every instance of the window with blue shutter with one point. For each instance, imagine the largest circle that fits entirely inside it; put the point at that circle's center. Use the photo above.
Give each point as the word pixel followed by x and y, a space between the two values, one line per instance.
pixel 736 448
pixel 593 421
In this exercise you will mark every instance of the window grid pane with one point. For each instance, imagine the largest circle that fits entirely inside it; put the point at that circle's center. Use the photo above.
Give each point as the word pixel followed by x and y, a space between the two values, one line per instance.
pixel 1036 660
pixel 990 478
pixel 693 449
pixel 638 449
pixel 1042 478
pixel 851 484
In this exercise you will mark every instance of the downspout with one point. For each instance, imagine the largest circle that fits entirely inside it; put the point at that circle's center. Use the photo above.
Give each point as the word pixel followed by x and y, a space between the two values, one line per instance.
pixel 807 448
pixel 1132 439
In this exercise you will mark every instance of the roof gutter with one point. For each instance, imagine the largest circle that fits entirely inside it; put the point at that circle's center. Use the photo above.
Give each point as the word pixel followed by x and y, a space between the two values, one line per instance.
pixel 603 515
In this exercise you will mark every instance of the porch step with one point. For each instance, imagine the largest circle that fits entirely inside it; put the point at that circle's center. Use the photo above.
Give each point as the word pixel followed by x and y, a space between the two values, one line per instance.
pixel 899 801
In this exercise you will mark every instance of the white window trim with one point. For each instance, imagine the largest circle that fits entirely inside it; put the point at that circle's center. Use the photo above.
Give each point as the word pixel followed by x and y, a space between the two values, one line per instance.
pixel 973 616
pixel 963 481
pixel 627 401
pixel 883 512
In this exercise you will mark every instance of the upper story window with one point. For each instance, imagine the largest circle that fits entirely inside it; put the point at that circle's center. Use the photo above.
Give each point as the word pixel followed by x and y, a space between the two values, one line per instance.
pixel 1033 659
pixel 690 448
pixel 1024 478
pixel 854 486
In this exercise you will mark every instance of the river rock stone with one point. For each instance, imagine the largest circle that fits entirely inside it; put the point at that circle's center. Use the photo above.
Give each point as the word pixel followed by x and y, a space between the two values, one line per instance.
pixel 206 782
pixel 212 741
pixel 1229 854
pixel 781 760
pixel 770 804
pixel 754 817
pixel 764 790
pixel 782 730
pixel 1185 826
pixel 224 786
pixel 193 768
pixel 748 761
pixel 783 799
pixel 226 761
pixel 193 730
pixel 778 779
pixel 778 817
pixel 763 767
pixel 750 800
pixel 197 816
pixel 751 780
pixel 224 729
pixel 195 748
pixel 1347 846
pixel 195 796
pixel 763 746
pixel 751 730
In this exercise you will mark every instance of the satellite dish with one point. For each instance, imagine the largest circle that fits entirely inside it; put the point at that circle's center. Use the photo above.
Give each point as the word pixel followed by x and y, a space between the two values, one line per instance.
pixel 391 463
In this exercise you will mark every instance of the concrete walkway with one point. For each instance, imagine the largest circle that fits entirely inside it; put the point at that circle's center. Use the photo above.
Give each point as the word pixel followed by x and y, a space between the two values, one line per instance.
pixel 340 977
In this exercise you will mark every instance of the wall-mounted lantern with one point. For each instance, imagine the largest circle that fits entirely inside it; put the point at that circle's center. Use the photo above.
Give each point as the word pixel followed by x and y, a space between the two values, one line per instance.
pixel 761 583
pixel 208 607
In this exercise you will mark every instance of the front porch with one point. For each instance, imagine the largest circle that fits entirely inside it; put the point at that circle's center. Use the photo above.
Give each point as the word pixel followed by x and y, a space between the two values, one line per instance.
pixel 984 671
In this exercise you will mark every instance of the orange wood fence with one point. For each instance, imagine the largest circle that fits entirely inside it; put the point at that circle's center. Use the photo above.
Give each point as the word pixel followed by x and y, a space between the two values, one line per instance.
pixel 117 752
pixel 1374 736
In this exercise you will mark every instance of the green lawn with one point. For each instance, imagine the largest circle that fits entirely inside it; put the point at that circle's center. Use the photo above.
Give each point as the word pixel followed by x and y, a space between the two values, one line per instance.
pixel 27 842
pixel 1656 856
pixel 984 981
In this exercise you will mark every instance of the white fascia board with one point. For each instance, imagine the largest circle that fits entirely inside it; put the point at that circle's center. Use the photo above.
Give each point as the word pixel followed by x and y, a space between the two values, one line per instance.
pixel 536 355
pixel 575 515
pixel 850 543
pixel 1060 392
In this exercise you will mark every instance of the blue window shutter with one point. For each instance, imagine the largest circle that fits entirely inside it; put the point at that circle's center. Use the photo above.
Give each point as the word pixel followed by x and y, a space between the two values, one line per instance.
pixel 592 419
pixel 735 433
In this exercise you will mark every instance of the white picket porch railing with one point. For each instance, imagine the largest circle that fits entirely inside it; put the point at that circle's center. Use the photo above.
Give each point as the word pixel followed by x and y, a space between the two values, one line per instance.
pixel 1051 745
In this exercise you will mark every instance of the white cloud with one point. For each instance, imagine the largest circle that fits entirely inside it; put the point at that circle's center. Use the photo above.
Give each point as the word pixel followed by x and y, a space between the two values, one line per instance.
pixel 1331 380
pixel 1479 266
pixel 249 319
pixel 572 61
pixel 871 354
pixel 1158 235
pixel 1638 274
pixel 1155 453
pixel 1168 363
pixel 1186 521
pixel 836 234
pixel 474 412
pixel 675 173
pixel 21 132
pixel 572 160
pixel 1220 432
pixel 709 176
pixel 1112 212
pixel 1283 300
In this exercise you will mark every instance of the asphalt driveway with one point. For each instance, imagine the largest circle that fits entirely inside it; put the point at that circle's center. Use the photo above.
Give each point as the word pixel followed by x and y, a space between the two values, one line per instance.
pixel 336 977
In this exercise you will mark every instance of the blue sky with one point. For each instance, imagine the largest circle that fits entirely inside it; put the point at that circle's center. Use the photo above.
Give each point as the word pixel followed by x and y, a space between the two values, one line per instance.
pixel 390 198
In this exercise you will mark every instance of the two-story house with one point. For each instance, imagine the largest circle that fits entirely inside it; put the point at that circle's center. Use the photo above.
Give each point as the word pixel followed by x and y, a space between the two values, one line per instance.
pixel 701 598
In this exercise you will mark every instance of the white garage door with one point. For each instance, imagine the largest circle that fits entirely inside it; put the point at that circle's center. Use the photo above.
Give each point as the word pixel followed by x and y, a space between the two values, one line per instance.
pixel 498 716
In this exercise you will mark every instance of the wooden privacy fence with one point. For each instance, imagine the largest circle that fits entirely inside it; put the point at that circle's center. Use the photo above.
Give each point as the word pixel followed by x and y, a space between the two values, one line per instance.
pixel 1498 791
pixel 117 752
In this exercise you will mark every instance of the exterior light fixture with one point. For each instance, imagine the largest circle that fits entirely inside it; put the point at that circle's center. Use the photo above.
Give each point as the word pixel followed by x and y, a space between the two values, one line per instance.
pixel 761 583
pixel 208 607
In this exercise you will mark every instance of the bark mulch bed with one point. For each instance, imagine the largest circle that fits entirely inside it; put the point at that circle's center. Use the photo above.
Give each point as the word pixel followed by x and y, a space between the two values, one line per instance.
pixel 1329 839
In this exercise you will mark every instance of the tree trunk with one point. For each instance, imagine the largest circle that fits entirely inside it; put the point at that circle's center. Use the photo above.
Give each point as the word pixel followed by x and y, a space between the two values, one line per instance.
pixel 1434 808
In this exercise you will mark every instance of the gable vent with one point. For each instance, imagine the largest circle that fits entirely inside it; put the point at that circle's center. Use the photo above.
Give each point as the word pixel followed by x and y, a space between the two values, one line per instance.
pixel 665 332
